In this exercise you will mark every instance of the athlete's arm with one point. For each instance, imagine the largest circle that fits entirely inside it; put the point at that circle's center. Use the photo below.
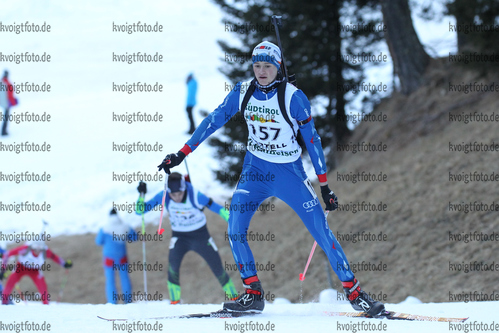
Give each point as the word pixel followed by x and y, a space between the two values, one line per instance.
pixel 300 110
pixel 15 251
pixel 54 257
pixel 99 240
pixel 205 201
pixel 149 205
pixel 219 117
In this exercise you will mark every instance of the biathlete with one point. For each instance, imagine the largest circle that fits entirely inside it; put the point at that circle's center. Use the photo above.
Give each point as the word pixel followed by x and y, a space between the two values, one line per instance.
pixel 273 121
pixel 185 207
pixel 30 261
pixel 113 238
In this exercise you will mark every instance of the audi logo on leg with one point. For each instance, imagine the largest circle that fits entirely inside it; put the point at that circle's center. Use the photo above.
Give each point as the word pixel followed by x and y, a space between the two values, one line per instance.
pixel 311 203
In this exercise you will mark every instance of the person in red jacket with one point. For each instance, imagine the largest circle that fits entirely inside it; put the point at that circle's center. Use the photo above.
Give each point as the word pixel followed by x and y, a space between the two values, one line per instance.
pixel 30 261
pixel 7 99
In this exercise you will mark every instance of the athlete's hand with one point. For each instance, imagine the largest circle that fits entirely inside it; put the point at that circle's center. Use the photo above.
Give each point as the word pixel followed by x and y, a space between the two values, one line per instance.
pixel 142 188
pixel 140 206
pixel 170 161
pixel 224 213
pixel 330 199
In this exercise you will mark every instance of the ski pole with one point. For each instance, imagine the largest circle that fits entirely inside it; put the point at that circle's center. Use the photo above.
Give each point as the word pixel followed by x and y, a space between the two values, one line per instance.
pixel 63 285
pixel 302 275
pixel 187 168
pixel 144 248
pixel 160 230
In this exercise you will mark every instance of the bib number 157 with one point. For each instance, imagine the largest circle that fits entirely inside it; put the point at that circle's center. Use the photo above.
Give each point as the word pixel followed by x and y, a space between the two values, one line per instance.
pixel 263 132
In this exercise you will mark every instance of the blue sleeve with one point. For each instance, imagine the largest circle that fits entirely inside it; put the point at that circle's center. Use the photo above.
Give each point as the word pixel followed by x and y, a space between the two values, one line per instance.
pixel 300 110
pixel 217 118
pixel 214 207
pixel 99 240
pixel 156 200
pixel 204 200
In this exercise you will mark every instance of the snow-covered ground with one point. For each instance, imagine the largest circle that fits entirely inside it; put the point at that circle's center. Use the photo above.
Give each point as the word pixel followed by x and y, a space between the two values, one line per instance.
pixel 279 316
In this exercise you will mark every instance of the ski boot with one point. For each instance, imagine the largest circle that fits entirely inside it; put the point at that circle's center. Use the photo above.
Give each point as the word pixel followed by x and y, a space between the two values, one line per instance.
pixel 251 301
pixel 230 291
pixel 360 300
pixel 174 291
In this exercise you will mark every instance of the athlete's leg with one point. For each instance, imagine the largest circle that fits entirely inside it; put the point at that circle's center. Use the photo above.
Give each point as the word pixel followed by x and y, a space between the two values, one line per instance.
pixel 294 188
pixel 205 246
pixel 14 278
pixel 41 285
pixel 178 248
pixel 249 194
pixel 298 193
pixel 111 291
pixel 126 284
pixel 254 186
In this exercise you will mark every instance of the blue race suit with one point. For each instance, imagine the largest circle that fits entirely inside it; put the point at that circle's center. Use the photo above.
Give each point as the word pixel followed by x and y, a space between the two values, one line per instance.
pixel 281 174
pixel 113 238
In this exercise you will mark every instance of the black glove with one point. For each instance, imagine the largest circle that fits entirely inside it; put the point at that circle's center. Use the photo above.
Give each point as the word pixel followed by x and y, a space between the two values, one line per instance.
pixel 330 199
pixel 68 264
pixel 142 188
pixel 170 161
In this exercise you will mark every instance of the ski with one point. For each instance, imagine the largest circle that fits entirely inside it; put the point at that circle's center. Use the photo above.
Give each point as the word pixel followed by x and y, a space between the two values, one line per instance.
pixel 393 315
pixel 215 314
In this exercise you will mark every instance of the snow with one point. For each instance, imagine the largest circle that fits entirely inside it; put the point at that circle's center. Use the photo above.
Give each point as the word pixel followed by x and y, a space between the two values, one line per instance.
pixel 281 316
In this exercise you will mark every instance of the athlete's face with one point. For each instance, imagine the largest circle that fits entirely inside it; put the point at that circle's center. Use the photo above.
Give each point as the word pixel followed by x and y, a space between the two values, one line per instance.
pixel 177 196
pixel 265 72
